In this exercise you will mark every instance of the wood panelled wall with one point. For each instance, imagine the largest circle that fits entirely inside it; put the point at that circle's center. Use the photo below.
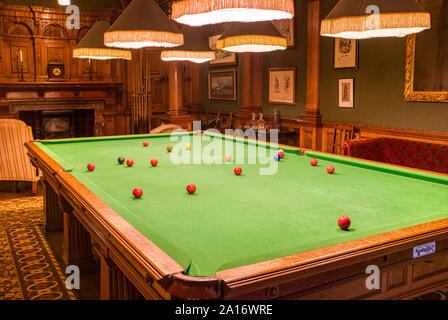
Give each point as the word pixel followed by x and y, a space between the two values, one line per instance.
pixel 168 105
pixel 41 35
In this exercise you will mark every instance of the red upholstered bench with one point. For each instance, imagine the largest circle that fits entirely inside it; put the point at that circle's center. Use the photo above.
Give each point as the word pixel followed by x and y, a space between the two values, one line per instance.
pixel 419 155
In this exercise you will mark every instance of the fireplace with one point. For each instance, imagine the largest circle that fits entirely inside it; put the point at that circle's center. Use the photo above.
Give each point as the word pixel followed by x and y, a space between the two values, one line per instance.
pixel 57 124
pixel 61 119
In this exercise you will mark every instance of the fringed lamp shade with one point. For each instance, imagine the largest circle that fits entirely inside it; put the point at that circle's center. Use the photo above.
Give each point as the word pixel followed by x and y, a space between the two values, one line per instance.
pixel 143 24
pixel 353 19
pixel 251 37
pixel 92 45
pixel 203 12
pixel 195 48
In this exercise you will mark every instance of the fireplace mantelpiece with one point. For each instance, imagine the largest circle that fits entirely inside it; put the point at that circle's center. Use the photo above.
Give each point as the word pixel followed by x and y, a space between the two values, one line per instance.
pixel 44 89
pixel 112 115
pixel 16 107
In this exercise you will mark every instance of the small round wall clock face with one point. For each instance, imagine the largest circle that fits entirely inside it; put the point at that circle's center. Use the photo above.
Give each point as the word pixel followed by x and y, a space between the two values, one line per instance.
pixel 57 72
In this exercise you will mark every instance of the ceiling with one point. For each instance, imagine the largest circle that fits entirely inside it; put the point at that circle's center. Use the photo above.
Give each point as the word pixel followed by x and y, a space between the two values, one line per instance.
pixel 82 4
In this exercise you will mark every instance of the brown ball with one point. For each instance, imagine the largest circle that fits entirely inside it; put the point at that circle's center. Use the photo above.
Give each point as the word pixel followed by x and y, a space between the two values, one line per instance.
pixel 169 148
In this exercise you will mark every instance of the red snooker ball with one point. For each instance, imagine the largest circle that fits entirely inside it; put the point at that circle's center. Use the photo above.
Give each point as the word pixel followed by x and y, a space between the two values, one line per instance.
pixel 91 166
pixel 281 154
pixel 330 169
pixel 154 162
pixel 145 143
pixel 191 188
pixel 344 223
pixel 238 171
pixel 313 162
pixel 130 162
pixel 137 192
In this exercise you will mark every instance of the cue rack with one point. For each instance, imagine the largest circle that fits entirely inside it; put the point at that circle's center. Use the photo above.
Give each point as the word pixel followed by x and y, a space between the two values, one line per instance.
pixel 141 94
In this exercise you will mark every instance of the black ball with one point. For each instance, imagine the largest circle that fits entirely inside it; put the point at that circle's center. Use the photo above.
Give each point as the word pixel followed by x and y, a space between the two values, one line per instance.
pixel 121 160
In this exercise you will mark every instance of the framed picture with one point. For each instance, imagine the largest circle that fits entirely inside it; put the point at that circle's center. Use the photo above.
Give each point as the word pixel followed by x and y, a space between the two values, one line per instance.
pixel 222 85
pixel 223 58
pixel 345 53
pixel 426 76
pixel 347 93
pixel 282 86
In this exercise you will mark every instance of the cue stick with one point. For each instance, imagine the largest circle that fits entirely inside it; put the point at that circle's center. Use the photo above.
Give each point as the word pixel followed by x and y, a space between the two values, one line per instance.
pixel 148 75
pixel 140 92
pixel 136 96
pixel 148 95
pixel 133 99
pixel 143 95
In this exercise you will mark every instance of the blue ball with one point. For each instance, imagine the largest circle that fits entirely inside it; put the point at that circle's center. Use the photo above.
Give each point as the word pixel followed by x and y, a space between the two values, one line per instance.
pixel 277 157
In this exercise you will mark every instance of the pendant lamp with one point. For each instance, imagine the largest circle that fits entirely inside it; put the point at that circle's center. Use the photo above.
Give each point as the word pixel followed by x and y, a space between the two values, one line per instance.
pixel 362 19
pixel 143 24
pixel 203 12
pixel 92 45
pixel 195 48
pixel 251 37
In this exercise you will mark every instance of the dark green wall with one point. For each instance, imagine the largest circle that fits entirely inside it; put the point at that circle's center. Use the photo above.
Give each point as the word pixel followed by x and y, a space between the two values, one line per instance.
pixel 379 84
pixel 295 57
pixel 379 88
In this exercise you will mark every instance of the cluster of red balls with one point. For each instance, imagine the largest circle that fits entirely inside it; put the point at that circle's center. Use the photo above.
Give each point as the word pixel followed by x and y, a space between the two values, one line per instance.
pixel 343 222
pixel 330 169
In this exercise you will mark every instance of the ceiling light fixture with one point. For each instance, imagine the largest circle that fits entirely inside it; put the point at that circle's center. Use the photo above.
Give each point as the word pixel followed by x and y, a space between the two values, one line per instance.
pixel 143 24
pixel 195 48
pixel 362 19
pixel 251 37
pixel 203 12
pixel 92 45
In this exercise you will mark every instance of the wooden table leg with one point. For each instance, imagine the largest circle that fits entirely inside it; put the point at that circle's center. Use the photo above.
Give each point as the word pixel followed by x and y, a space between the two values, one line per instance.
pixel 105 275
pixel 53 213
pixel 114 284
pixel 77 243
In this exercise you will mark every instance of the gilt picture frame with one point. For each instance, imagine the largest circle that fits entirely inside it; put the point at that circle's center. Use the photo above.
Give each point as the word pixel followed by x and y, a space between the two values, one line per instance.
pixel 222 85
pixel 282 86
pixel 426 72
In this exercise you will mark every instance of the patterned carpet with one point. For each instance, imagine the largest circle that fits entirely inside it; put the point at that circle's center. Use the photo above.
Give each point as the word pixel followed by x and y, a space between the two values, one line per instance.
pixel 28 268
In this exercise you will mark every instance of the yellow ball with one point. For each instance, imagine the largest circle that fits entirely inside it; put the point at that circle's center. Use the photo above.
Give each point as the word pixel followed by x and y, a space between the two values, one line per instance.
pixel 188 146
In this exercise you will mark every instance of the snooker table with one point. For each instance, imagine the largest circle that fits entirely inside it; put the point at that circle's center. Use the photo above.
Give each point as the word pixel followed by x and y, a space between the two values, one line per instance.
pixel 254 236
